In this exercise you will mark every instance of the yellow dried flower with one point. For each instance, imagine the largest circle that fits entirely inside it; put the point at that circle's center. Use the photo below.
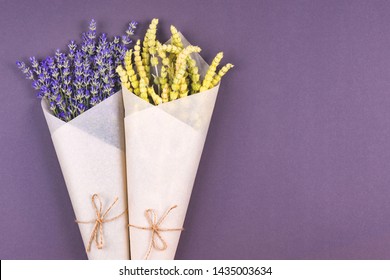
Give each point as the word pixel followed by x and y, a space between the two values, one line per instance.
pixel 183 88
pixel 143 90
pixel 181 70
pixel 123 77
pixel 211 72
pixel 183 55
pixel 163 76
pixel 132 76
pixel 176 39
pixel 165 93
pixel 220 74
pixel 178 75
pixel 149 45
pixel 156 98
pixel 193 74
pixel 170 48
pixel 138 63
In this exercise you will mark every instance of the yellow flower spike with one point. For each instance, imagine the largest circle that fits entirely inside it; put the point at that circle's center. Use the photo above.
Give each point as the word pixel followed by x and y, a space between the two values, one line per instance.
pixel 184 54
pixel 176 39
pixel 211 72
pixel 128 56
pixel 194 74
pixel 170 48
pixel 138 63
pixel 165 93
pixel 181 68
pixel 123 76
pixel 220 74
pixel 137 46
pixel 163 73
pixel 162 54
pixel 163 76
pixel 143 90
pixel 149 41
pixel 145 49
pixel 132 77
pixel 156 99
pixel 183 88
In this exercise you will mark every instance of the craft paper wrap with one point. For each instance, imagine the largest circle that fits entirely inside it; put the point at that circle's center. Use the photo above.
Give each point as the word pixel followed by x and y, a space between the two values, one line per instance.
pixel 164 145
pixel 90 150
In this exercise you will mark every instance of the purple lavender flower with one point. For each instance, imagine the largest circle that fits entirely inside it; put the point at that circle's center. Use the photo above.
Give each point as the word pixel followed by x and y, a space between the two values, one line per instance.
pixel 26 70
pixel 35 65
pixel 72 49
pixel 92 30
pixel 74 82
pixel 129 32
pixel 36 85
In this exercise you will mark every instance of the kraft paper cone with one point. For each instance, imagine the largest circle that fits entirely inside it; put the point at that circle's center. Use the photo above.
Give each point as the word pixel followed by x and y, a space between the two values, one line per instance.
pixel 164 145
pixel 90 150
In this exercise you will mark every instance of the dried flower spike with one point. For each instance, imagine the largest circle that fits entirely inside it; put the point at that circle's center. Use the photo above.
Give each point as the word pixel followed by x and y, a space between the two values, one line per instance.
pixel 211 72
pixel 174 76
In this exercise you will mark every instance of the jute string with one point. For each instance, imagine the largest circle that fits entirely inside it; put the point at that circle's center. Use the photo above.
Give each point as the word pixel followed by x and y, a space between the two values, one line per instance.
pixel 97 231
pixel 157 241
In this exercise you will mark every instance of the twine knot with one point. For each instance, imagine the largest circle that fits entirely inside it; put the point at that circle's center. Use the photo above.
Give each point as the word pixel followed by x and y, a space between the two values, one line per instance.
pixel 156 241
pixel 97 231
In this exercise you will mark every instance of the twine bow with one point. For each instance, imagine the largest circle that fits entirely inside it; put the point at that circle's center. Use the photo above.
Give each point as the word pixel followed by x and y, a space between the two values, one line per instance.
pixel 97 231
pixel 157 241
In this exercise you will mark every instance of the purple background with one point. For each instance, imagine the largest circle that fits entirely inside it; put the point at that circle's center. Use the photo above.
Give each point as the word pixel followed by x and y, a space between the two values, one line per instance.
pixel 297 160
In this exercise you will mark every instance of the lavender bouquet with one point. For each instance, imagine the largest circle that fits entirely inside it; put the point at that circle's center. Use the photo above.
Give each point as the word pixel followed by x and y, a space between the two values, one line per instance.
pixel 83 107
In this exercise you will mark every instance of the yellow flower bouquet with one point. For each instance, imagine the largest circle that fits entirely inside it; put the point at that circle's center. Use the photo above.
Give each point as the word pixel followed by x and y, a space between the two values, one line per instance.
pixel 169 93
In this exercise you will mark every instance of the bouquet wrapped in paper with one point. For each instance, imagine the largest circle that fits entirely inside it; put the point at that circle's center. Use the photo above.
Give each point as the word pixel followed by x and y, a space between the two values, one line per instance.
pixel 84 112
pixel 167 114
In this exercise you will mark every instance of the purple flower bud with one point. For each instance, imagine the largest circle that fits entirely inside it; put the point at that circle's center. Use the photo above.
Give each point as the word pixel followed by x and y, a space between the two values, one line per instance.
pixel 34 62
pixel 92 30
pixel 20 64
pixel 53 106
pixel 92 25
pixel 40 94
pixel 58 99
pixel 36 85
pixel 94 100
pixel 81 107
pixel 58 55
pixel 63 116
pixel 132 26
pixel 126 40
pixel 80 93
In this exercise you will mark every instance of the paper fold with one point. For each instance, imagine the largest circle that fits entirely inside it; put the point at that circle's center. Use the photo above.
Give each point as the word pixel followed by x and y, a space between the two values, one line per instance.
pixel 164 145
pixel 90 150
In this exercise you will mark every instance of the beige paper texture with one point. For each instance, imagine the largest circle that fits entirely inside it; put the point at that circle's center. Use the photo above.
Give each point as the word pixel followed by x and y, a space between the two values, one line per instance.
pixel 90 150
pixel 163 148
